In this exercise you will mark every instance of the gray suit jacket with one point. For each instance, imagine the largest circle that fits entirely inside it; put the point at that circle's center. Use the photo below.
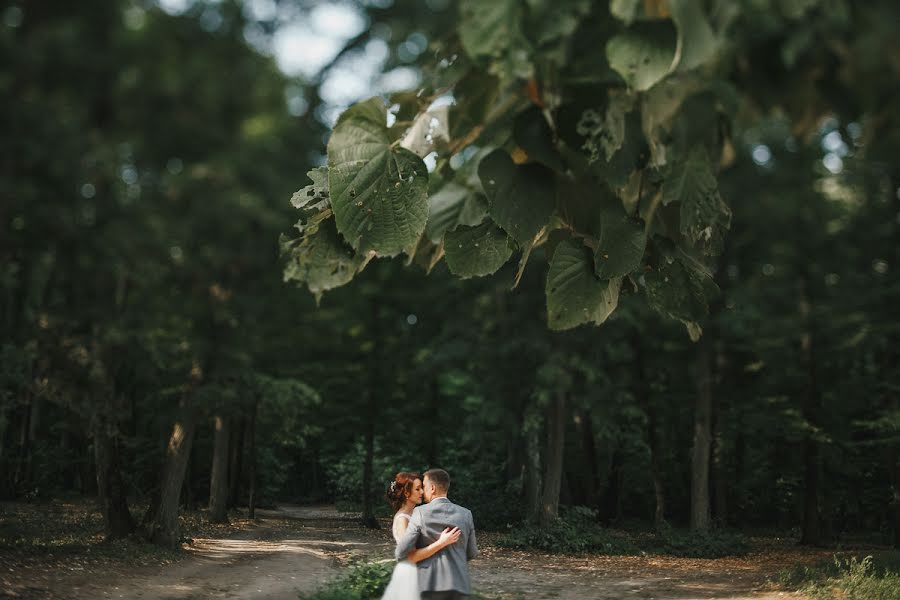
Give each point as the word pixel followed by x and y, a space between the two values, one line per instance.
pixel 448 569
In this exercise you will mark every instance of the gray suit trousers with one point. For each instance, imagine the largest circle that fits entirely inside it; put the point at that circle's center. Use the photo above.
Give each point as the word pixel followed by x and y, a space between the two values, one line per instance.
pixel 450 595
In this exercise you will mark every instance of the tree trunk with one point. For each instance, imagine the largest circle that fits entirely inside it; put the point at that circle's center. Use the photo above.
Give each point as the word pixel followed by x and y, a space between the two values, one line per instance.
pixel 117 521
pixel 533 483
pixel 659 492
pixel 612 498
pixel 652 432
pixel 377 374
pixel 235 461
pixel 251 452
pixel 592 476
pixel 164 527
pixel 702 439
pixel 894 469
pixel 811 534
pixel 368 516
pixel 218 481
pixel 720 484
pixel 553 466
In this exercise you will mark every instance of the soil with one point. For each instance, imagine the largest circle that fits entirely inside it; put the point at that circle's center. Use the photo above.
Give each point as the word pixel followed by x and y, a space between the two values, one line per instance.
pixel 297 549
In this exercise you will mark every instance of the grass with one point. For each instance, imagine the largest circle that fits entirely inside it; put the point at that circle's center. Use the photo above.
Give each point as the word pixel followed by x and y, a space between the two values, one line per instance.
pixel 850 577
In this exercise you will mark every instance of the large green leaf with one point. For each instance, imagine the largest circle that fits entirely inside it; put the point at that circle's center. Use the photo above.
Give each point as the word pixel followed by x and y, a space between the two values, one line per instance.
pixel 697 43
pixel 678 287
pixel 623 240
pixel 321 259
pixel 520 197
pixel 574 294
pixel 378 193
pixel 452 205
pixel 491 34
pixel 476 251
pixel 705 218
pixel 643 54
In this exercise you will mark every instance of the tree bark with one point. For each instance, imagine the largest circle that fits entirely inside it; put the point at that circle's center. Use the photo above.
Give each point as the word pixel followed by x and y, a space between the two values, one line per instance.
pixel 251 456
pixel 702 439
pixel 642 390
pixel 592 476
pixel 894 469
pixel 368 516
pixel 218 481
pixel 612 498
pixel 376 373
pixel 117 520
pixel 235 460
pixel 164 527
pixel 533 483
pixel 553 466
pixel 719 480
pixel 811 533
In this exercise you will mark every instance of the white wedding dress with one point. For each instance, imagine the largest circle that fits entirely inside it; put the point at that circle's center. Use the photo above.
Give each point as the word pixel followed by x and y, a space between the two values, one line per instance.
pixel 404 583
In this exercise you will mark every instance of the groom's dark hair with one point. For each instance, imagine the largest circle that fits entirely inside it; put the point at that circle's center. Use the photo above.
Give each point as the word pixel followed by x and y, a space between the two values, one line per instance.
pixel 440 478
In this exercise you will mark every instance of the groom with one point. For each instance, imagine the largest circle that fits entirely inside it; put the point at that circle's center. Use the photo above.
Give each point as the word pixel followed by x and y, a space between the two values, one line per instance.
pixel 444 575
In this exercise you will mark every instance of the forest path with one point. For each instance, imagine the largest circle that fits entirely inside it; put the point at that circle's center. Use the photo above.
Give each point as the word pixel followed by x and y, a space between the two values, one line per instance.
pixel 294 549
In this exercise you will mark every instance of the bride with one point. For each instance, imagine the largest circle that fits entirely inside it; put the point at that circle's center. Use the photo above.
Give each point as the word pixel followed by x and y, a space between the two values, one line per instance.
pixel 404 494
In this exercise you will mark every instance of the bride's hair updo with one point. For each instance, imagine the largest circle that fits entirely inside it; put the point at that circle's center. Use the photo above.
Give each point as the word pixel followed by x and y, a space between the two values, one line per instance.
pixel 400 489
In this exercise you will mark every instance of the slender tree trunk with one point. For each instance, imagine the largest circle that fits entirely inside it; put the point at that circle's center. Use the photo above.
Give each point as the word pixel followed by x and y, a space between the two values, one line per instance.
pixel 235 460
pixel 894 469
pixel 612 498
pixel 553 466
pixel 434 419
pixel 117 519
pixel 659 491
pixel 592 476
pixel 642 390
pixel 811 533
pixel 251 452
pixel 719 481
pixel 533 482
pixel 218 481
pixel 164 527
pixel 737 487
pixel 376 373
pixel 702 439
pixel 368 516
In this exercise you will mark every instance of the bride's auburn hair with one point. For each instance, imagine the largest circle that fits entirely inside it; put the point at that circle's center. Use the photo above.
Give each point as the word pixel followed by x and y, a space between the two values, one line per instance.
pixel 400 489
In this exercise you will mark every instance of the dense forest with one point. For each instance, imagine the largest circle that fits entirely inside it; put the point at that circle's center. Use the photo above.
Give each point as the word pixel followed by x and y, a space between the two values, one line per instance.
pixel 157 354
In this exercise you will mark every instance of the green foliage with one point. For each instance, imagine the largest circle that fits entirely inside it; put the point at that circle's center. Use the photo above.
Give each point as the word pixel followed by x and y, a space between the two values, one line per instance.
pixel 377 191
pixel 576 532
pixel 361 581
pixel 475 251
pixel 714 543
pixel 574 294
pixel 519 138
pixel 855 578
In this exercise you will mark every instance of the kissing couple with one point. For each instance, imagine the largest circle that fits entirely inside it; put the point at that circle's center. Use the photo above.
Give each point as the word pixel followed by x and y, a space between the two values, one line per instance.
pixel 435 541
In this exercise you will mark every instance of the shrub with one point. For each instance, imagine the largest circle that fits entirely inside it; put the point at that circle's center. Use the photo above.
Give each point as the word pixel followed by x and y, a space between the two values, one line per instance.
pixel 714 543
pixel 576 532
pixel 362 581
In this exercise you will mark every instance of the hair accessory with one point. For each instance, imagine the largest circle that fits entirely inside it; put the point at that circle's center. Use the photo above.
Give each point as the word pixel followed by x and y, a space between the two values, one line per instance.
pixel 393 486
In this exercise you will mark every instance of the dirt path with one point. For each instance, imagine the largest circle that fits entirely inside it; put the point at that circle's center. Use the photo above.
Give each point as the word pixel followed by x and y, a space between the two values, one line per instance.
pixel 297 549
